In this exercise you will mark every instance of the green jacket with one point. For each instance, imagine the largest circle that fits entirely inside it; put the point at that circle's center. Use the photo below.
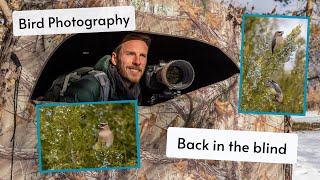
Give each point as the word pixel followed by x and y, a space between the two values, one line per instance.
pixel 87 89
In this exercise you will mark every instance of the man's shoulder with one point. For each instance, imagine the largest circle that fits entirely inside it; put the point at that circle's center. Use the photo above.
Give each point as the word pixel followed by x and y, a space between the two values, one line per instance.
pixel 87 82
pixel 103 63
pixel 92 81
pixel 85 89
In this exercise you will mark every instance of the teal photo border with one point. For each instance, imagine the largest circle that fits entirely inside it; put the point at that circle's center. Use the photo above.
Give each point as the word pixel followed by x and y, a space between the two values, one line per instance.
pixel 39 106
pixel 305 72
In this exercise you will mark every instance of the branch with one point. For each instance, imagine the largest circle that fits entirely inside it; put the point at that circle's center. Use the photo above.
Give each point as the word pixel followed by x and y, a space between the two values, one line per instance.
pixel 6 11
pixel 312 78
pixel 21 154
pixel 309 8
pixel 156 159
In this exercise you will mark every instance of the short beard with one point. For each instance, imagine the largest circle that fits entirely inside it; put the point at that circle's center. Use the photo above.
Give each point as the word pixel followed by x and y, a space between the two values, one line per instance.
pixel 125 80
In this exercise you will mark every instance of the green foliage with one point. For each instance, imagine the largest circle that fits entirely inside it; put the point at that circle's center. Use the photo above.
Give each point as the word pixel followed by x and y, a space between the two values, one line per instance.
pixel 68 134
pixel 260 65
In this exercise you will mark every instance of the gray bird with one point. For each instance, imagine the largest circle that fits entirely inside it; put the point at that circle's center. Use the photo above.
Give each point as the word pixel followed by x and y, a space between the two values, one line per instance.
pixel 275 90
pixel 277 40
pixel 105 137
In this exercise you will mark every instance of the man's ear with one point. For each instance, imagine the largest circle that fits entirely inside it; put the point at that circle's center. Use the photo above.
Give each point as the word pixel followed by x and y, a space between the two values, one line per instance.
pixel 114 58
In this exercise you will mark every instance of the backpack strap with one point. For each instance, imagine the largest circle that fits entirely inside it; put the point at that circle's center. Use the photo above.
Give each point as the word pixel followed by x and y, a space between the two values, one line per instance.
pixel 66 81
pixel 104 84
pixel 72 77
pixel 61 84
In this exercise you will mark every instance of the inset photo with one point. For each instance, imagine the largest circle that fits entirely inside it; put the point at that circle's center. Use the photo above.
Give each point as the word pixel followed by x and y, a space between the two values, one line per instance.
pixel 88 136
pixel 274 58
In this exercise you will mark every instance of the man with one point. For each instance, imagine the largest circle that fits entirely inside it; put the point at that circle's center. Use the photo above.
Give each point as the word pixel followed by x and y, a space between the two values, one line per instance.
pixel 123 69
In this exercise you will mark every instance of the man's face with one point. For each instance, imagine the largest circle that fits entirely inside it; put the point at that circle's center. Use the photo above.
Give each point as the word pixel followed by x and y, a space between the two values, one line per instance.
pixel 131 60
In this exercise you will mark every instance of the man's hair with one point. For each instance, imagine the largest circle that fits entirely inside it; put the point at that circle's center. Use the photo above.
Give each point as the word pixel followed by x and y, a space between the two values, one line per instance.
pixel 133 36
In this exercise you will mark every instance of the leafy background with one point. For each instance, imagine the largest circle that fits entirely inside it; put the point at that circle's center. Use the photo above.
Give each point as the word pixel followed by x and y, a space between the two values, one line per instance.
pixel 68 134
pixel 260 65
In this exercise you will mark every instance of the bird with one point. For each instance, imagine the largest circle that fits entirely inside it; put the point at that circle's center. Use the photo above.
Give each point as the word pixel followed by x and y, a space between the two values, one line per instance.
pixel 274 10
pixel 275 90
pixel 105 137
pixel 277 40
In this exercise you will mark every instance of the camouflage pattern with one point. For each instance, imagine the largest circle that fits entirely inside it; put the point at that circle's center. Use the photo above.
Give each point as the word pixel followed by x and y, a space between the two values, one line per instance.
pixel 211 107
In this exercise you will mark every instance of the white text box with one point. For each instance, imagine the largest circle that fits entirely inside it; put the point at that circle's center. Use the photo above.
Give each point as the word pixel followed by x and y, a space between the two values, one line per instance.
pixel 248 146
pixel 66 21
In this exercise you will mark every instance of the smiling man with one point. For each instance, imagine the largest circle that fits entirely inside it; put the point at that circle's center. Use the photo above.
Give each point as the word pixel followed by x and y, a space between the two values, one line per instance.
pixel 130 59
pixel 114 77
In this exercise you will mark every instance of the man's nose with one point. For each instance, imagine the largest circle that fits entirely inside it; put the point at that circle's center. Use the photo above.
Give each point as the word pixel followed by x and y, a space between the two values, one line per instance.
pixel 136 60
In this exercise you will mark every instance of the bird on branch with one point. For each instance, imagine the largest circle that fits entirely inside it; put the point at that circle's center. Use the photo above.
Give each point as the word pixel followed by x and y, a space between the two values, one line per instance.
pixel 277 40
pixel 105 137
pixel 275 90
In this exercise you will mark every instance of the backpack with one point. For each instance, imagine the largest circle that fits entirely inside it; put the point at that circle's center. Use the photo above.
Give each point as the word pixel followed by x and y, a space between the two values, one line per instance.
pixel 61 84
